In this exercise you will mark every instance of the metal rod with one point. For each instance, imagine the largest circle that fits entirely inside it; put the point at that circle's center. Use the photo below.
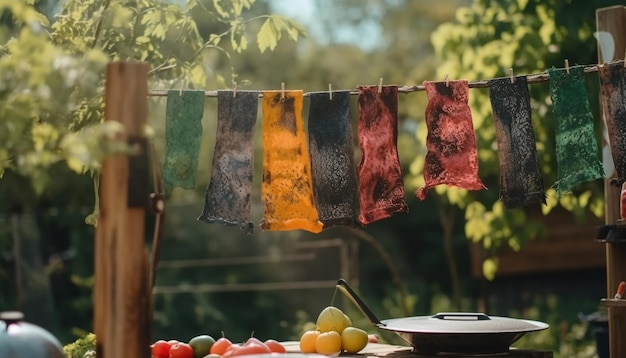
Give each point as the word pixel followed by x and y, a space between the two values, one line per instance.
pixel 531 78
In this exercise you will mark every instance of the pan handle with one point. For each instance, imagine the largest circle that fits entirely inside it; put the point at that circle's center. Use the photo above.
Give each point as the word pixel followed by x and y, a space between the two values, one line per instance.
pixel 343 286
pixel 462 316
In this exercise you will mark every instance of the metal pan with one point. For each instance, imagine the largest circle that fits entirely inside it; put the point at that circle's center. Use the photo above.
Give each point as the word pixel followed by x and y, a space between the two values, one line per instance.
pixel 451 333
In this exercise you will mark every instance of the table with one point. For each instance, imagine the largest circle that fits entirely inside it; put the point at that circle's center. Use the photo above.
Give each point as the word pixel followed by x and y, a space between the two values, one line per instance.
pixel 377 350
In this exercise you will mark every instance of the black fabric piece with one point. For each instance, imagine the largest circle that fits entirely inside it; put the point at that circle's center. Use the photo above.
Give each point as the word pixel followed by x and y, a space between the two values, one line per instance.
pixel 227 199
pixel 521 182
pixel 612 78
pixel 332 158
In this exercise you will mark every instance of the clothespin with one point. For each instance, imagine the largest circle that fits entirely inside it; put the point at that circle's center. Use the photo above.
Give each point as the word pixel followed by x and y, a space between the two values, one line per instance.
pixel 567 66
pixel 330 91
pixel 446 79
pixel 511 75
pixel 180 94
pixel 282 90
pixel 234 89
pixel 380 85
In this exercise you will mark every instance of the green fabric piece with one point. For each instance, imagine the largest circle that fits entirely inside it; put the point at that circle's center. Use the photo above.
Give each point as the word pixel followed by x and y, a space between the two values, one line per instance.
pixel 577 152
pixel 183 133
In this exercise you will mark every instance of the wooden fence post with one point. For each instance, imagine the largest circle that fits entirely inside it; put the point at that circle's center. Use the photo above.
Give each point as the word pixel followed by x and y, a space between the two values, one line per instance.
pixel 612 20
pixel 122 297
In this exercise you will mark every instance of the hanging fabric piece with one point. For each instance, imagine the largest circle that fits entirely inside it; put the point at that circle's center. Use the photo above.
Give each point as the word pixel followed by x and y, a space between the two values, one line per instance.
pixel 287 189
pixel 183 133
pixel 452 158
pixel 381 186
pixel 332 158
pixel 577 155
pixel 521 182
pixel 227 198
pixel 612 88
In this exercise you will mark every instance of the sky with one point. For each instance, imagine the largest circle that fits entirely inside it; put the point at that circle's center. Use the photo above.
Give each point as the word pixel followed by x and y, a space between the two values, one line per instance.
pixel 303 11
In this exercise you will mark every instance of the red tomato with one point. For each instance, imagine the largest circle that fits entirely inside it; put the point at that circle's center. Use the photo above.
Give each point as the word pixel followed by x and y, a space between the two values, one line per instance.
pixel 181 350
pixel 160 349
pixel 220 346
pixel 172 342
pixel 372 338
pixel 246 349
pixel 258 345
pixel 231 351
pixel 253 340
pixel 275 346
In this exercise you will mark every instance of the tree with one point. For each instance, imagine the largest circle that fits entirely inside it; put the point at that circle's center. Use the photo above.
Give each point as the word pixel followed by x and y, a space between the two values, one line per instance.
pixel 51 103
pixel 52 73
pixel 487 39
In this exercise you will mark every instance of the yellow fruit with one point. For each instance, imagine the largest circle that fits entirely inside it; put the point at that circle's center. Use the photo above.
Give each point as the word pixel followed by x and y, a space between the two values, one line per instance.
pixel 332 319
pixel 353 339
pixel 348 320
pixel 328 343
pixel 307 341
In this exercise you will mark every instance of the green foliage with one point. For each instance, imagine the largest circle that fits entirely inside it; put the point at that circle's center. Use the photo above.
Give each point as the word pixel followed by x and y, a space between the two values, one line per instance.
pixel 487 39
pixel 81 348
pixel 271 31
pixel 40 87
pixel 52 75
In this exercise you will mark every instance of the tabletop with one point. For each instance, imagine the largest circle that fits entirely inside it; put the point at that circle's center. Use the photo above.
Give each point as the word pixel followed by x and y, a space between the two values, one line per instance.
pixel 377 350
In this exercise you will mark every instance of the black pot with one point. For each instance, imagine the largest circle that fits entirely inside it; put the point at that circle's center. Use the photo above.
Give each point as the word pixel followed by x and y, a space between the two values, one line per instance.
pixel 20 339
pixel 451 333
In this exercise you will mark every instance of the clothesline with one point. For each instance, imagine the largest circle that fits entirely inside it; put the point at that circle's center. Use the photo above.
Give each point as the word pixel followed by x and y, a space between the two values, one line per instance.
pixel 531 78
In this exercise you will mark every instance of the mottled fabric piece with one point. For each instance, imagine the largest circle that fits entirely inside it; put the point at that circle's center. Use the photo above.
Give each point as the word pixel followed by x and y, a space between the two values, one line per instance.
pixel 613 101
pixel 521 182
pixel 183 133
pixel 287 189
pixel 227 198
pixel 332 158
pixel 452 158
pixel 577 151
pixel 381 186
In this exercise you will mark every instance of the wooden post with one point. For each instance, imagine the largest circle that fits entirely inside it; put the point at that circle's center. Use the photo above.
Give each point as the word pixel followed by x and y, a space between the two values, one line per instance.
pixel 612 20
pixel 121 293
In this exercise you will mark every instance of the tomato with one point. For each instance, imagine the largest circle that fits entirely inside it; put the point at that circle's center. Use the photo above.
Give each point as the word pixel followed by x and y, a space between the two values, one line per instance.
pixel 246 349
pixel 232 351
pixel 181 350
pixel 220 346
pixel 160 349
pixel 372 338
pixel 275 346
pixel 253 340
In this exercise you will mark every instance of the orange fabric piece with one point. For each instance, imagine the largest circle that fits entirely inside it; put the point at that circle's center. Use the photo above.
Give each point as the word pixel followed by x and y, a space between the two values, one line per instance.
pixel 287 187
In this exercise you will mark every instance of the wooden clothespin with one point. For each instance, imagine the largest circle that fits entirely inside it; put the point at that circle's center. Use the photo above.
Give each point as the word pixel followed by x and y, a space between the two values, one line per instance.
pixel 567 66
pixel 282 90
pixel 446 79
pixel 380 85
pixel 511 75
pixel 330 91
pixel 234 89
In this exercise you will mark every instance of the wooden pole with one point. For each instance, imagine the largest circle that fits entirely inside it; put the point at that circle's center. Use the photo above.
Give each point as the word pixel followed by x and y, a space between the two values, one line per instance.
pixel 612 20
pixel 121 293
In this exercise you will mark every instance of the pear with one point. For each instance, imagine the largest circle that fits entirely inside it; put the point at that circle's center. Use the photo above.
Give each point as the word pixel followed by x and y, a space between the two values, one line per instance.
pixel 332 319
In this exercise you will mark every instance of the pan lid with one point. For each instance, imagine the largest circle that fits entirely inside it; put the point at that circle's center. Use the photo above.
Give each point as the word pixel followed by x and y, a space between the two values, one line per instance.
pixel 461 322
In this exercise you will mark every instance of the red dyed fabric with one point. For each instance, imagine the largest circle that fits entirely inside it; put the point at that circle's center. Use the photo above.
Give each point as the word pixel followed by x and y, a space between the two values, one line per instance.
pixel 452 158
pixel 381 186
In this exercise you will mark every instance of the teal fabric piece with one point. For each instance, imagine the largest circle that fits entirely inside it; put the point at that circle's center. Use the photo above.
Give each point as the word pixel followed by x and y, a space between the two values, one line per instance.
pixel 183 134
pixel 577 151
